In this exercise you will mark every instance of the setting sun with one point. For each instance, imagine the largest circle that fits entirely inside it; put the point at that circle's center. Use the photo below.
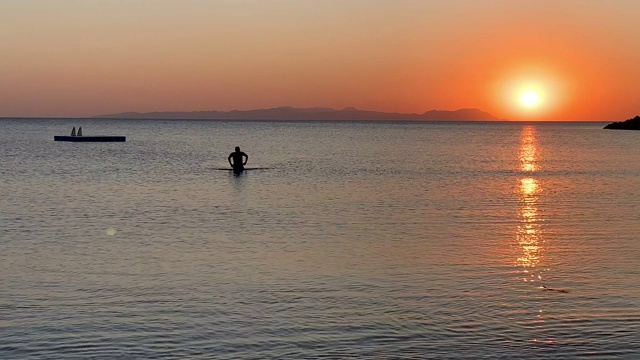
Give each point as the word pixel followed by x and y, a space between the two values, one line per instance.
pixel 532 91
pixel 530 99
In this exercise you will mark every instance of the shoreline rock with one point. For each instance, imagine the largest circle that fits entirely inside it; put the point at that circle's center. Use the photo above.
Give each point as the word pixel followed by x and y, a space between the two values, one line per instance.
pixel 630 124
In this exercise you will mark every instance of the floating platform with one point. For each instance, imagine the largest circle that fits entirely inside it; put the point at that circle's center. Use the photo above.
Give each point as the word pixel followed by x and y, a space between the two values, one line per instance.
pixel 90 138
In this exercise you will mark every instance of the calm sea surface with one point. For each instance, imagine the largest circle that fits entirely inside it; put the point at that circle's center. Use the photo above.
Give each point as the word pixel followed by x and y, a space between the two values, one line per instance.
pixel 360 240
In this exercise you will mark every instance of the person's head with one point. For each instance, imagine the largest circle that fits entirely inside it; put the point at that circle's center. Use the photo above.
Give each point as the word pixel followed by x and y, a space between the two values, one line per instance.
pixel 237 148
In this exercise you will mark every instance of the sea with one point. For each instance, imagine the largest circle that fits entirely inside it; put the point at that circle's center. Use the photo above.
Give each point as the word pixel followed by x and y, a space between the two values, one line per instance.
pixel 350 240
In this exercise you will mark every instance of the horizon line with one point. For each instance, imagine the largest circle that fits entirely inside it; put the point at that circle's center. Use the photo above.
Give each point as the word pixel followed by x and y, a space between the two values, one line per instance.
pixel 97 117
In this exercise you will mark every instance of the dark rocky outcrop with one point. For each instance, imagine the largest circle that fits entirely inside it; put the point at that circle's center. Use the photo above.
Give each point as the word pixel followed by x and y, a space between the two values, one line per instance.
pixel 630 124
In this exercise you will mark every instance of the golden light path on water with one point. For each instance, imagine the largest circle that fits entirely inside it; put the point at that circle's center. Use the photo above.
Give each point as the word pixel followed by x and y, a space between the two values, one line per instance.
pixel 529 231
pixel 529 234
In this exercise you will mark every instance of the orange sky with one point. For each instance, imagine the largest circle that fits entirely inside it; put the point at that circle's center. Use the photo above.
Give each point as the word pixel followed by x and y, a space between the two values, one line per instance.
pixel 82 58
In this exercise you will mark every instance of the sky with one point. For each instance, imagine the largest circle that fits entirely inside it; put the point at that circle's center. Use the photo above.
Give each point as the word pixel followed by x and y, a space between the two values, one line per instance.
pixel 516 59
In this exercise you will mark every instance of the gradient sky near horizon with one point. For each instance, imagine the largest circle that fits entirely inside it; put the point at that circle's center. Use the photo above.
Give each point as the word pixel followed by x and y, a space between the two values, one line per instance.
pixel 81 58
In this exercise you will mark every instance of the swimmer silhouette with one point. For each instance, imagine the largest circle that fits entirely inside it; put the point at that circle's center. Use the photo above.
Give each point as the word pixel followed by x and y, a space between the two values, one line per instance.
pixel 239 160
pixel 544 288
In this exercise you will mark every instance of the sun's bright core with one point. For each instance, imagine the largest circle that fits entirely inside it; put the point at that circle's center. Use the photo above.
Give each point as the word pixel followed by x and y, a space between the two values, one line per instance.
pixel 530 99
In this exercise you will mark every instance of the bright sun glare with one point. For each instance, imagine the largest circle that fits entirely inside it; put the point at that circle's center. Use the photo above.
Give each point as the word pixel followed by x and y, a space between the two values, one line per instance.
pixel 530 99
pixel 531 92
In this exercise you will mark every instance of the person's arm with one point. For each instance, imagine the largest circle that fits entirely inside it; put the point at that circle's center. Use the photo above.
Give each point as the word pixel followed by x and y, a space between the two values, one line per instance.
pixel 246 158
pixel 229 159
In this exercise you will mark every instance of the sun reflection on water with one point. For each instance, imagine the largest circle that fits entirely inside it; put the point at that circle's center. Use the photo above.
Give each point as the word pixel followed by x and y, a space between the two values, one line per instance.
pixel 529 231
pixel 528 150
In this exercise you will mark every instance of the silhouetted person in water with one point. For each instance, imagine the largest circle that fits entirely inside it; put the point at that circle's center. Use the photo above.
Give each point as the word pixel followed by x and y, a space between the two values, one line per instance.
pixel 239 160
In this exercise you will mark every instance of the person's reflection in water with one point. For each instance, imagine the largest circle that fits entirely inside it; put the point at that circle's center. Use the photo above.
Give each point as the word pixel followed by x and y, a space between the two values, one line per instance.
pixel 239 160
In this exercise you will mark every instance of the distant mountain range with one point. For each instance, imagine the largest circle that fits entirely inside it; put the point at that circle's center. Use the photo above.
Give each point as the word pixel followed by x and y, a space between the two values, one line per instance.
pixel 291 113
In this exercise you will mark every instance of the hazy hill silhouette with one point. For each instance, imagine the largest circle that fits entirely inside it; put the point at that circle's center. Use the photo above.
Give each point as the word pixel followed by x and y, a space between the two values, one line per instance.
pixel 318 113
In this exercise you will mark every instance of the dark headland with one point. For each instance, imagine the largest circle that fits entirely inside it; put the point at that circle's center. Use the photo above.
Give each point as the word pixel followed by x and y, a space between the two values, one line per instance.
pixel 291 114
pixel 630 124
